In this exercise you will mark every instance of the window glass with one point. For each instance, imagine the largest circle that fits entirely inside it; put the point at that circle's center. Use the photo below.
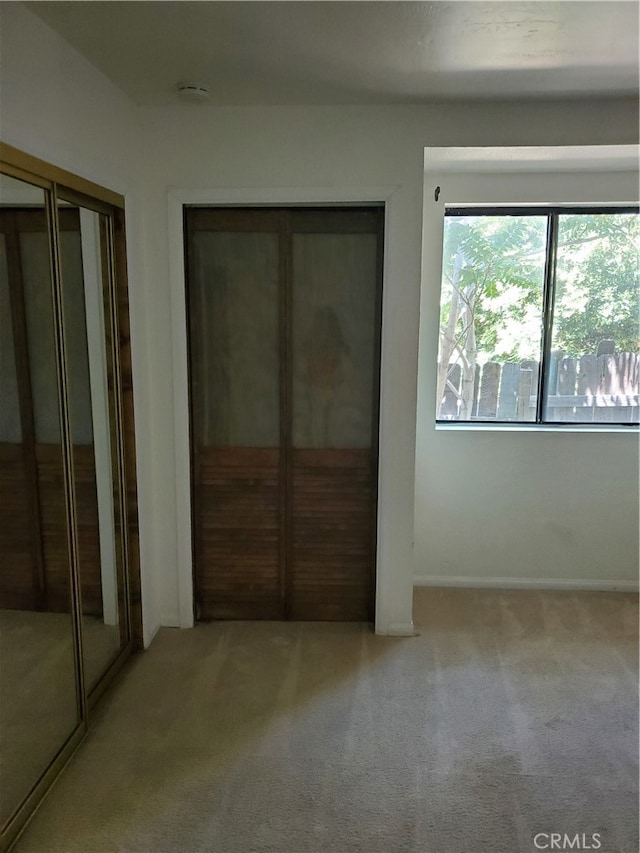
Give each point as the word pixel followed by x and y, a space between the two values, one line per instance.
pixel 593 367
pixel 496 339
pixel 491 317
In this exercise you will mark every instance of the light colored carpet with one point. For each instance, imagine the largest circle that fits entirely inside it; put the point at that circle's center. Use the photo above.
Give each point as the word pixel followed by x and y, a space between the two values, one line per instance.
pixel 512 713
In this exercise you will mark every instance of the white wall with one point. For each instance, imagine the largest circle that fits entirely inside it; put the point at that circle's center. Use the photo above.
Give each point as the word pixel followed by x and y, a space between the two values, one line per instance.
pixel 264 153
pixel 513 507
pixel 57 106
pixel 298 155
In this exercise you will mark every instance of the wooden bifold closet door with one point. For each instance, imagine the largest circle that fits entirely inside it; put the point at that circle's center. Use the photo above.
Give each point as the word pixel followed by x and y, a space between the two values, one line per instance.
pixel 284 315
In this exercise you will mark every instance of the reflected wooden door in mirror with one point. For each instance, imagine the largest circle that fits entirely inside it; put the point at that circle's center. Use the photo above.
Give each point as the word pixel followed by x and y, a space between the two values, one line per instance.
pixel 39 709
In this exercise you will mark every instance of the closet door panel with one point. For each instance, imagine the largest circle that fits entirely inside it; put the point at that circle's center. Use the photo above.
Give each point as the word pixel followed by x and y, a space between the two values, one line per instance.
pixel 39 709
pixel 331 573
pixel 234 310
pixel 239 566
pixel 332 487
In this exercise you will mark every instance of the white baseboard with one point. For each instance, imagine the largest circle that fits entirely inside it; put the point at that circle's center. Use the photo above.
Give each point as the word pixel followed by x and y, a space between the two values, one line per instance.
pixel 170 620
pixel 527 583
pixel 149 635
pixel 398 629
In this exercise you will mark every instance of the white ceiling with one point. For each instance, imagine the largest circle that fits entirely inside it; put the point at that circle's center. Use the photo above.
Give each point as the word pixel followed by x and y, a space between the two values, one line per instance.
pixel 357 52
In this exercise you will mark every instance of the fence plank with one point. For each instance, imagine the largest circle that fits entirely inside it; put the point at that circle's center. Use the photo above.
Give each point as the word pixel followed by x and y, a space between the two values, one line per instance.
pixel 606 374
pixel 601 389
pixel 489 383
pixel 588 375
pixel 588 384
pixel 530 403
pixel 566 386
pixel 566 376
pixel 607 384
pixel 626 370
pixel 534 367
pixel 552 383
pixel 508 396
pixel 525 411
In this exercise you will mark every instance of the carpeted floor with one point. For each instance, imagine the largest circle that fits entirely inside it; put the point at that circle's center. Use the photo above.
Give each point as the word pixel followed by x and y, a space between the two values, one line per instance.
pixel 511 714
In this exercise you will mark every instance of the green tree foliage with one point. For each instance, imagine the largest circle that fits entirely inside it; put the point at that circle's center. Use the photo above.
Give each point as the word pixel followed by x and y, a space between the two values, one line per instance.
pixel 597 283
pixel 497 264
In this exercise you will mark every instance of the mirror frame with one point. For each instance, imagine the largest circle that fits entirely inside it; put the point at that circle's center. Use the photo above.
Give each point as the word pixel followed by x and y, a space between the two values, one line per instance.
pixel 59 184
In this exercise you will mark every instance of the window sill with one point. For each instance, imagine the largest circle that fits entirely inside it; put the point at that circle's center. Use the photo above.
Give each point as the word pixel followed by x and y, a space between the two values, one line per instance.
pixel 470 426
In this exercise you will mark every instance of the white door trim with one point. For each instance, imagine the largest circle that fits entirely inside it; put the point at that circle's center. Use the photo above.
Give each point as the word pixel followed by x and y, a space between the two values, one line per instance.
pixel 245 197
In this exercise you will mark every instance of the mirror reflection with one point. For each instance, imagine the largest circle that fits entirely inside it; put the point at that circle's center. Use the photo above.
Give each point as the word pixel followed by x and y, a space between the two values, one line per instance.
pixel 91 403
pixel 39 707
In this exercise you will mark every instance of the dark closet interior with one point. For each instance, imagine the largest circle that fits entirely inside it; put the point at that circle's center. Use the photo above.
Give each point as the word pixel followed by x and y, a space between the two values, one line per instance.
pixel 284 317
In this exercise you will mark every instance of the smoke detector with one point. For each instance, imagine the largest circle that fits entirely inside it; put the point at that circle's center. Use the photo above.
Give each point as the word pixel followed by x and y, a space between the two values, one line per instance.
pixel 195 93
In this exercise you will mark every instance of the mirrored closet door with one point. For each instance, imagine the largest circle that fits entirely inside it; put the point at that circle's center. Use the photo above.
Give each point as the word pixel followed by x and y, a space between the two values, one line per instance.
pixel 39 707
pixel 69 575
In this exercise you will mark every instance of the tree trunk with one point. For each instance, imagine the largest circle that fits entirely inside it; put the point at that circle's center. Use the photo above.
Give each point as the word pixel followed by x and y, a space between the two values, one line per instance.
pixel 470 353
pixel 448 334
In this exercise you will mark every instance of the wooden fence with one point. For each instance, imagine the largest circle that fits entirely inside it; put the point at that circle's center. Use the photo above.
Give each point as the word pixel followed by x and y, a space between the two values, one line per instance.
pixel 592 389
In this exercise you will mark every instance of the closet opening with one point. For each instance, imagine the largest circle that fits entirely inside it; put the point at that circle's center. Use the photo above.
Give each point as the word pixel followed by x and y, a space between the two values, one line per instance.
pixel 284 322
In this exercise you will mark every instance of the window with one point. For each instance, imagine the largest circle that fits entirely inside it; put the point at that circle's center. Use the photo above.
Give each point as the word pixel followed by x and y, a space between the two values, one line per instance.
pixel 539 316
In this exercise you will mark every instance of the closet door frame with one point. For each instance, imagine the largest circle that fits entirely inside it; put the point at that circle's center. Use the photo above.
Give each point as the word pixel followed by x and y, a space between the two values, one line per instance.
pixel 285 215
pixel 249 196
